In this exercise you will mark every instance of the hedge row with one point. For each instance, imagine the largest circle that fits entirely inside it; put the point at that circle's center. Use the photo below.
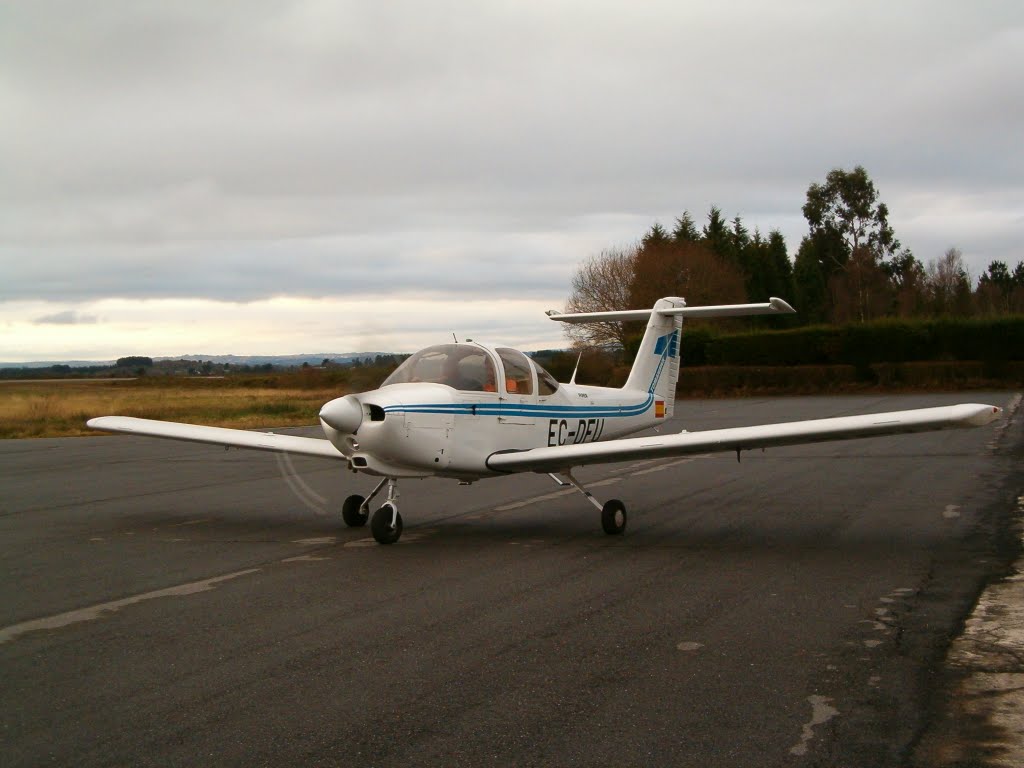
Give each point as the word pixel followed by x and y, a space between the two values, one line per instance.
pixel 861 345
pixel 814 379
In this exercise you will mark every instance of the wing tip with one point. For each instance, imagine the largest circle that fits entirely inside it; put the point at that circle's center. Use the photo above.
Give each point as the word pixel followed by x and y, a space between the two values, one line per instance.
pixel 781 306
pixel 983 414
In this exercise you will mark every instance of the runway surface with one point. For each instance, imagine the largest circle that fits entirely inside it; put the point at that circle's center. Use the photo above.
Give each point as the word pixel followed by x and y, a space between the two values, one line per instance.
pixel 175 604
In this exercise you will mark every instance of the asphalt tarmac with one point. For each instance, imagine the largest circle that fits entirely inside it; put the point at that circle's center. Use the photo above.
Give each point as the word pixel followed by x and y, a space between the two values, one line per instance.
pixel 176 604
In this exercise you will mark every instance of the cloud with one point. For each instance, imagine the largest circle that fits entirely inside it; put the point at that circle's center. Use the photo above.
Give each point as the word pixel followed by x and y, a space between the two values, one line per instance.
pixel 240 151
pixel 67 317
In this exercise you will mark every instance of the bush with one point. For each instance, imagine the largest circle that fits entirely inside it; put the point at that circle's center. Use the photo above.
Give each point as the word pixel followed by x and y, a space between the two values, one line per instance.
pixel 888 341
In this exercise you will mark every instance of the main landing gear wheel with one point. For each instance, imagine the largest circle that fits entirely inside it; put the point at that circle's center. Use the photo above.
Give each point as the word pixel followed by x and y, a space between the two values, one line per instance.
pixel 381 524
pixel 613 517
pixel 353 512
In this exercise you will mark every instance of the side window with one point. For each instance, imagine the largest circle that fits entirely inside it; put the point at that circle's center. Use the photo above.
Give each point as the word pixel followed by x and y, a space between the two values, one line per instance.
pixel 518 374
pixel 546 383
pixel 473 373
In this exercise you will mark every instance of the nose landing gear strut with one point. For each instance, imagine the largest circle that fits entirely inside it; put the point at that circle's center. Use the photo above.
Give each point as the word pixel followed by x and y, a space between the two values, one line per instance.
pixel 387 523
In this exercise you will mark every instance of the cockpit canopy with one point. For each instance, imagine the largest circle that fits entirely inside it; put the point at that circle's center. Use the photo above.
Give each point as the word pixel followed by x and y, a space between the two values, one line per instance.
pixel 471 368
pixel 458 365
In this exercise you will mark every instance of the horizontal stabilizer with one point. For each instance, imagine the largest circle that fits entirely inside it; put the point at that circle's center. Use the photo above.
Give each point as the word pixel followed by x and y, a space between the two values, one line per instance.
pixel 237 438
pixel 773 306
pixel 559 458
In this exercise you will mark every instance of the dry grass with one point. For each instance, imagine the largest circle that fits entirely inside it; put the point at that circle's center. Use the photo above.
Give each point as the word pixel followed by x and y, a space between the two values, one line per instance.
pixel 53 409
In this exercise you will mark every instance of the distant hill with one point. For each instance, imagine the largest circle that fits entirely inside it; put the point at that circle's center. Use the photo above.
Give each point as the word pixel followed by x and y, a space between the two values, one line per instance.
pixel 51 363
pixel 313 358
pixel 277 360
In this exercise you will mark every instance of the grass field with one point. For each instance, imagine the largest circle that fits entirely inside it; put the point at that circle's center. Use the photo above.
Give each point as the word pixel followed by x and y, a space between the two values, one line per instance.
pixel 60 408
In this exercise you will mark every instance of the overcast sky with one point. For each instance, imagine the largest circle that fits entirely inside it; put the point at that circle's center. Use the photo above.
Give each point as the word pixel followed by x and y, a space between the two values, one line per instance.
pixel 281 177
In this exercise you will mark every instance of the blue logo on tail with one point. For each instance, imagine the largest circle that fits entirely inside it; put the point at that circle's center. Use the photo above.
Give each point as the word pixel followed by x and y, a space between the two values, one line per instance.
pixel 669 340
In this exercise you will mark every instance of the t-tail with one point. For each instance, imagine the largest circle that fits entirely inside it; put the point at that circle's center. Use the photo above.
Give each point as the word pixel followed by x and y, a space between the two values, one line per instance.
pixel 656 367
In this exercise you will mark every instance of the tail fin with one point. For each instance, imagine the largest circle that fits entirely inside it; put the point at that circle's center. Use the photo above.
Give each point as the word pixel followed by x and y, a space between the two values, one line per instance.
pixel 656 368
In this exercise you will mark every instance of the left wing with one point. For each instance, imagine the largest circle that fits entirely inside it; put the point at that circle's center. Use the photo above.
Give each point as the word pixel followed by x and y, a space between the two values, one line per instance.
pixel 238 438
pixel 560 458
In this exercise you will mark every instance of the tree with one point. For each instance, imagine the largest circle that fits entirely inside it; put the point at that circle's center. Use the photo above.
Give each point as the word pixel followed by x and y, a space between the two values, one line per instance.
pixel 717 235
pixel 1017 294
pixel 852 237
pixel 847 205
pixel 135 361
pixel 656 235
pixel 949 284
pixel 768 272
pixel 688 270
pixel 861 291
pixel 686 230
pixel 601 284
pixel 907 275
pixel 781 269
pixel 809 289
pixel 995 289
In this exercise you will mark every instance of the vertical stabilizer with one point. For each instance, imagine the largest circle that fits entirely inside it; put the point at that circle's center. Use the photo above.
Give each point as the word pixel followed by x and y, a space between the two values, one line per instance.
pixel 656 368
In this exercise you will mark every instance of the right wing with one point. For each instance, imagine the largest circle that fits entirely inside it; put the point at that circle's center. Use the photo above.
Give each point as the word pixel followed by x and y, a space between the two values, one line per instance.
pixel 238 438
pixel 562 457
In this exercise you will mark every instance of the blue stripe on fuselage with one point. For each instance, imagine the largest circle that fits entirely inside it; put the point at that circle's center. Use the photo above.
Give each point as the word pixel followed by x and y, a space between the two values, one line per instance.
pixel 525 409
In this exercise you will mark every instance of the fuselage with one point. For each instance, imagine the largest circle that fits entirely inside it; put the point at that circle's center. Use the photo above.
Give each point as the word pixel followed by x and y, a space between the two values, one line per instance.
pixel 411 427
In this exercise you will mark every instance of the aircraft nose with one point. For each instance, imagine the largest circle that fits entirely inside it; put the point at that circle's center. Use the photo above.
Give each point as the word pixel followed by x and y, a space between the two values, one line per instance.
pixel 344 414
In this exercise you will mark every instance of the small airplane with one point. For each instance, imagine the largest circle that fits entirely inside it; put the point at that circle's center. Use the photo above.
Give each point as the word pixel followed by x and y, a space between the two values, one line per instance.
pixel 469 411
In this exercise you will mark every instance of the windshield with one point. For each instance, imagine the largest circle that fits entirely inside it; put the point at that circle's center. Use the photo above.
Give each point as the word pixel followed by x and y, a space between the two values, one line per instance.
pixel 459 366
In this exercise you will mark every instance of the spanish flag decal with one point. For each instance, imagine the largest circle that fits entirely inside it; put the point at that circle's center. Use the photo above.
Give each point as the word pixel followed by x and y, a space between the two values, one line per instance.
pixel 659 409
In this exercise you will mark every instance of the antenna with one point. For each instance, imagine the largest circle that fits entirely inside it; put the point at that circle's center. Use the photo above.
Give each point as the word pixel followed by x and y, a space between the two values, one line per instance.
pixel 453 338
pixel 574 370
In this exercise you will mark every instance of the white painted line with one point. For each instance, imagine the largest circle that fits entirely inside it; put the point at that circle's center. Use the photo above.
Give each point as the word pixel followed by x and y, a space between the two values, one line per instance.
pixel 669 465
pixel 316 541
pixel 534 500
pixel 821 712
pixel 97 611
pixel 689 646
pixel 368 542
pixel 951 511
pixel 407 538
pixel 190 522
pixel 304 559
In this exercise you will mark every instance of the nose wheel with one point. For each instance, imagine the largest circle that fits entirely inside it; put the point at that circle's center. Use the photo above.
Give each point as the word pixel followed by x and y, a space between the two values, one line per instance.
pixel 387 523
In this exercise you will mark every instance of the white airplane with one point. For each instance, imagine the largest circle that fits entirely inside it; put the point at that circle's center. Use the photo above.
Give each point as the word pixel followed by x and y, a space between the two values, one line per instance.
pixel 468 411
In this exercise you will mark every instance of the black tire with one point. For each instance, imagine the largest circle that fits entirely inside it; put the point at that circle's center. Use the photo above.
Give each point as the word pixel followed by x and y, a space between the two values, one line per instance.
pixel 613 517
pixel 352 511
pixel 381 525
